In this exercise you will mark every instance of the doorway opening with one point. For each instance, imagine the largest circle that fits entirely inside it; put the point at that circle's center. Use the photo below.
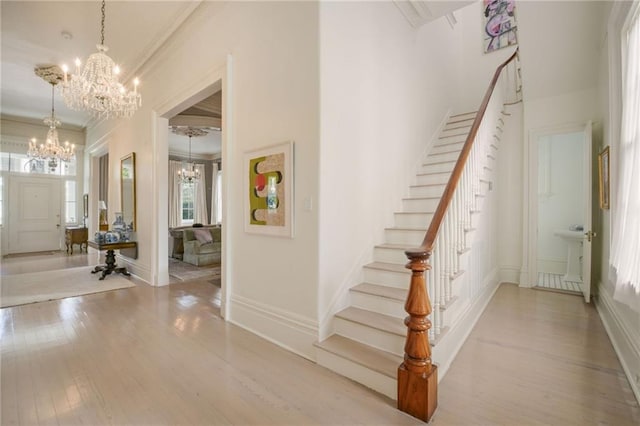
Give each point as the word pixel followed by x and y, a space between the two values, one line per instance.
pixel 560 250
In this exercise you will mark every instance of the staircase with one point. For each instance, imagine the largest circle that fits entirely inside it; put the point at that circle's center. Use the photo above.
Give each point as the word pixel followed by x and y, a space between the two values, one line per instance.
pixel 369 336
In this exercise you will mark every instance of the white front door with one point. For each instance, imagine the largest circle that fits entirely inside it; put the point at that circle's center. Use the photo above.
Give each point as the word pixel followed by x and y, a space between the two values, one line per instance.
pixel 34 214
pixel 588 233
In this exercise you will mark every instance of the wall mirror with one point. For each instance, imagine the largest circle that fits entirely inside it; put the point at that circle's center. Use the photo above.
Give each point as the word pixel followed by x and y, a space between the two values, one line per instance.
pixel 128 189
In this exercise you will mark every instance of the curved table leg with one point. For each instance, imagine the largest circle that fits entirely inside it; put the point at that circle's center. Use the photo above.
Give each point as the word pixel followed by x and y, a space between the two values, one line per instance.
pixel 110 266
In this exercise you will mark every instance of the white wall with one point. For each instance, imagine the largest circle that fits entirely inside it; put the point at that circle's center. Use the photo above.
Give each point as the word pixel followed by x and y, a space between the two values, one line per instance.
pixel 271 283
pixel 620 321
pixel 385 89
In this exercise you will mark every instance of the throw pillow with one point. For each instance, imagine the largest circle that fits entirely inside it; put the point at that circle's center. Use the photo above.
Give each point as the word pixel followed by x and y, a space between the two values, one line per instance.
pixel 203 236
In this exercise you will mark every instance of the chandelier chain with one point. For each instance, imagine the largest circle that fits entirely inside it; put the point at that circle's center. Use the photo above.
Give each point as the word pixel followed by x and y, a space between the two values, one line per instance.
pixel 102 23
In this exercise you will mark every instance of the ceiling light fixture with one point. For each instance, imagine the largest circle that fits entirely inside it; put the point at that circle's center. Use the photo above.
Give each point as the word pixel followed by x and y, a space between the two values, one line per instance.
pixel 95 87
pixel 51 151
pixel 189 174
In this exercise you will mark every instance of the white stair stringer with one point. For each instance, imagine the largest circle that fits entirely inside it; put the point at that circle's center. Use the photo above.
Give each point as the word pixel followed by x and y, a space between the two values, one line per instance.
pixel 369 335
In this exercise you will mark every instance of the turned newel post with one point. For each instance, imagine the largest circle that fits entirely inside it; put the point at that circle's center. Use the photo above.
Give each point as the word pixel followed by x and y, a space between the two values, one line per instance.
pixel 417 377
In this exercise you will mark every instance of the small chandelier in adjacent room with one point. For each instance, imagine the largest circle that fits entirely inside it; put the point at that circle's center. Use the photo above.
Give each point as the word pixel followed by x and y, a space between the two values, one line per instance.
pixel 51 151
pixel 95 87
pixel 189 174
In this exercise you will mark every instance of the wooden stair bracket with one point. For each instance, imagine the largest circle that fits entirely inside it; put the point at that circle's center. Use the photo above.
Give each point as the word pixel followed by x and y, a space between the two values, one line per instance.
pixel 417 376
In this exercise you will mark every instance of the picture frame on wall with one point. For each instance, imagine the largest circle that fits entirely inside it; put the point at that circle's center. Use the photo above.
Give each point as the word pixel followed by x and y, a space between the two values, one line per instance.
pixel 603 178
pixel 268 179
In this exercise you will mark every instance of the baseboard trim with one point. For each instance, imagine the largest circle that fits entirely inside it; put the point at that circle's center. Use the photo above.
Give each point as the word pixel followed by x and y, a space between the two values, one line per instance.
pixel 509 274
pixel 446 350
pixel 625 346
pixel 288 330
pixel 139 271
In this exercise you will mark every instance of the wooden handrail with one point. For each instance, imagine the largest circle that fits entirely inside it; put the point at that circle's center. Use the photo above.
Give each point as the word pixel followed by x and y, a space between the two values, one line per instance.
pixel 417 376
pixel 447 195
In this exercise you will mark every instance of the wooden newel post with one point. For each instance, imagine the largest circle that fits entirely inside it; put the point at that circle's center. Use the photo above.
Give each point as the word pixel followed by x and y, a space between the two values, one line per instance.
pixel 417 377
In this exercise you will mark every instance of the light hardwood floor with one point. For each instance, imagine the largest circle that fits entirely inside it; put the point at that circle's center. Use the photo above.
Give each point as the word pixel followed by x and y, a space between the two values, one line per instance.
pixel 151 356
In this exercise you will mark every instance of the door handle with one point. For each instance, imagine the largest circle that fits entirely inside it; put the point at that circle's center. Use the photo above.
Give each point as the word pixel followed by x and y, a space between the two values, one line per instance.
pixel 590 235
pixel 58 225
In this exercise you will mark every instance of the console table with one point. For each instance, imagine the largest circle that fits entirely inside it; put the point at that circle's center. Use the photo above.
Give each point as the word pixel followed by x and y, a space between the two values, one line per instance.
pixel 110 262
pixel 76 235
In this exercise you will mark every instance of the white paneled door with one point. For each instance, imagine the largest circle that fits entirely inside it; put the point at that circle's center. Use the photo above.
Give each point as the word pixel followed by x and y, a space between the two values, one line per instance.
pixel 34 214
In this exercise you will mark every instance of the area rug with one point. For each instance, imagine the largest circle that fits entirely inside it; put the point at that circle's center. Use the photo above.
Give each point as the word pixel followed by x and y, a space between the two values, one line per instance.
pixel 186 272
pixel 32 287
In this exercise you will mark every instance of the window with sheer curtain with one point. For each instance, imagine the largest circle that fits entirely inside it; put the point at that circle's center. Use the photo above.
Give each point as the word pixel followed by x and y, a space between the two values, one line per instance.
pixel 625 241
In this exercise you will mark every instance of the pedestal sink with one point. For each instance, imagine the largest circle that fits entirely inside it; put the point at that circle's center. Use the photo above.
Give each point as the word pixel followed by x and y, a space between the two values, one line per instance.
pixel 574 241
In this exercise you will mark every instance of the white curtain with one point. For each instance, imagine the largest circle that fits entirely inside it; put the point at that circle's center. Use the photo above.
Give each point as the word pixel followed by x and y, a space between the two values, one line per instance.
pixel 175 194
pixel 200 206
pixel 219 196
pixel 625 241
pixel 214 191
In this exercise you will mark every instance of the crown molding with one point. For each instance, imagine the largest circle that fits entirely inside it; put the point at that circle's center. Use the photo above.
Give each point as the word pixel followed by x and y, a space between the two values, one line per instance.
pixel 39 122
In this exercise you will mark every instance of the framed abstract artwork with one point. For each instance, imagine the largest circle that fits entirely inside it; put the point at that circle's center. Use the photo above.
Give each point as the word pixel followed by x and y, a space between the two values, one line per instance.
pixel 268 174
pixel 500 27
pixel 603 178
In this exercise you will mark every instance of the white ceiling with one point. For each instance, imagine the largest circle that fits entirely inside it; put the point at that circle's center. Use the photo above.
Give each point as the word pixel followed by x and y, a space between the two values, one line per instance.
pixel 32 35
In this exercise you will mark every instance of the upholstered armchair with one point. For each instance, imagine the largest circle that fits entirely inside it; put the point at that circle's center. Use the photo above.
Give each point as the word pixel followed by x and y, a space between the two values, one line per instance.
pixel 202 246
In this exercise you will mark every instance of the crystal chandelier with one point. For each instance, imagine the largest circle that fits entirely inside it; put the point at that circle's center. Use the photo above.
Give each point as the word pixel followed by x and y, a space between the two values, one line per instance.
pixel 51 151
pixel 95 87
pixel 189 174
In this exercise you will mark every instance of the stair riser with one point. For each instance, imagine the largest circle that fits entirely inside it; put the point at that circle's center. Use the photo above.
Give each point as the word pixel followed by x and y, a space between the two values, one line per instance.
pixel 431 179
pixel 410 238
pixel 442 157
pixel 388 255
pixel 420 205
pixel 436 168
pixel 455 129
pixel 388 278
pixel 447 145
pixel 382 305
pixel 372 379
pixel 413 220
pixel 426 191
pixel 371 336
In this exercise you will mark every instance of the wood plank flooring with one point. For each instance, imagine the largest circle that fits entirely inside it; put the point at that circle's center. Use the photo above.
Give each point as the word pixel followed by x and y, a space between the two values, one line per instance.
pixel 155 356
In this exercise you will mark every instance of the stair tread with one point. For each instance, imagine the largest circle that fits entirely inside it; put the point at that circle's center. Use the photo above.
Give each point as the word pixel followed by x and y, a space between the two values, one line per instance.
pixel 395 228
pixel 420 198
pixel 393 246
pixel 463 113
pixel 438 162
pixel 373 358
pixel 407 213
pixel 393 267
pixel 375 320
pixel 382 291
pixel 429 184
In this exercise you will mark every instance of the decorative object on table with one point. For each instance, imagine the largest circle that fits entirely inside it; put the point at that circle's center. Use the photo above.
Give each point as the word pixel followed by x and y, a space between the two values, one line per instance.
pixel 102 212
pixel 269 181
pixel 100 237
pixel 603 178
pixel 51 151
pixel 118 224
pixel 500 27
pixel 95 87
pixel 189 172
pixel 111 237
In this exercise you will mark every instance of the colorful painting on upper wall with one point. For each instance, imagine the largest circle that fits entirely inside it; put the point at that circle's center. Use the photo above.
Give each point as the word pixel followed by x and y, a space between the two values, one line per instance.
pixel 500 27
pixel 269 180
